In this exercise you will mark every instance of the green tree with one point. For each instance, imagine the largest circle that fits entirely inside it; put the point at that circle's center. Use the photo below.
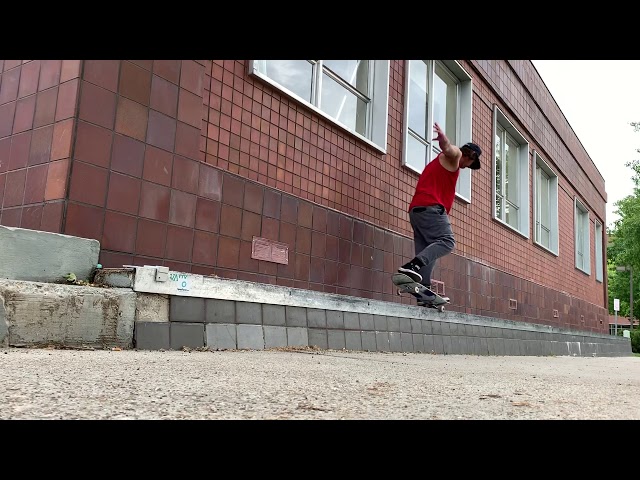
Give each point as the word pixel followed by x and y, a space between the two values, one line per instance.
pixel 624 245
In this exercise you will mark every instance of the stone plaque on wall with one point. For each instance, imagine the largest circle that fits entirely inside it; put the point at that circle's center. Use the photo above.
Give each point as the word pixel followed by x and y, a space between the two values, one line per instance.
pixel 269 251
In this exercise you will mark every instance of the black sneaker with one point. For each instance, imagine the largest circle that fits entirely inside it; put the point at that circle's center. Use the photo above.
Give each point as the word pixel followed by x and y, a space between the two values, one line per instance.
pixel 411 269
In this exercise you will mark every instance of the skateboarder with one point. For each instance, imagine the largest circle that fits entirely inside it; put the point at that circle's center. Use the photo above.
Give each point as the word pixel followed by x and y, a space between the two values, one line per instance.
pixel 431 203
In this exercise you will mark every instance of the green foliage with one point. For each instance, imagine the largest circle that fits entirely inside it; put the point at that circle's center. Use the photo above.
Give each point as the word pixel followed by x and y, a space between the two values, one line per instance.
pixel 635 340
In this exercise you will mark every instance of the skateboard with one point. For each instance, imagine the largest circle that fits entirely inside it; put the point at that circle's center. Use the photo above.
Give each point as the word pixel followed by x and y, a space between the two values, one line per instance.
pixel 406 284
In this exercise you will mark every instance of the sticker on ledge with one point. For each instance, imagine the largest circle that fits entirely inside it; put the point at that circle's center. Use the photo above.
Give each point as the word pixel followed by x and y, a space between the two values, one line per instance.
pixel 183 283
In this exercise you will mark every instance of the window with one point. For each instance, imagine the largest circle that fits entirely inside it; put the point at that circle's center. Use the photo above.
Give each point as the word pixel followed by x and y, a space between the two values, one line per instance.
pixel 581 223
pixel 599 258
pixel 351 93
pixel 511 175
pixel 436 91
pixel 546 205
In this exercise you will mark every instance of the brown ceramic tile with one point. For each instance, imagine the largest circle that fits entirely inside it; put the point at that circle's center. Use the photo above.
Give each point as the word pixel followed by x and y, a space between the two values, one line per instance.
pixel 131 119
pixel 7 112
pixel 5 153
pixel 93 144
pixel 330 272
pixel 288 209
pixel 251 225
pixel 151 238
pixel 179 243
pixel 367 257
pixel 205 248
pixel 14 188
pixel 332 245
pixel 168 69
pixel 56 186
pixel 245 262
pixel 35 184
pixel 9 64
pixel 185 174
pixel 116 260
pixel 82 221
pixel 253 197
pixel 154 202
pixel 31 217
pixel 70 69
pixel 192 77
pixel 127 156
pixel 103 73
pixel 190 108
pixel 25 111
pixel 52 217
pixel 88 184
pixel 378 238
pixel 319 219
pixel 146 64
pixel 164 96
pixel 119 232
pixel 207 215
pixel 67 99
pixel 288 235
pixel 303 240
pixel 158 166
pixel 176 266
pixel 289 270
pixel 45 107
pixel 232 190
pixel 188 141
pixel 29 78
pixel 182 209
pixel 20 146
pixel 97 105
pixel 230 221
pixel 210 182
pixel 49 74
pixel 228 252
pixel 123 194
pixel 388 241
pixel 9 85
pixel 318 244
pixel 333 221
pixel 11 217
pixel 358 232
pixel 305 214
pixel 41 142
pixel 135 83
pixel 368 239
pixel 62 135
pixel 161 131
pixel 268 268
pixel 3 181
pixel 316 270
pixel 356 255
pixel 270 228
pixel 345 227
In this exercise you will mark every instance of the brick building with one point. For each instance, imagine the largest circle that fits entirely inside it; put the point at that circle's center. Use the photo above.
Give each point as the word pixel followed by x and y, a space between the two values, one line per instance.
pixel 299 173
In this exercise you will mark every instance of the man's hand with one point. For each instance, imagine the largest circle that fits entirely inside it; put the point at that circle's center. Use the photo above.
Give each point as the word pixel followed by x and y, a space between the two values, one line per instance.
pixel 440 136
pixel 451 153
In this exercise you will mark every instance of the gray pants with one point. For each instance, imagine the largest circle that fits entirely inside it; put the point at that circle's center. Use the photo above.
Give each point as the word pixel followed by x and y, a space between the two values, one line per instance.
pixel 432 237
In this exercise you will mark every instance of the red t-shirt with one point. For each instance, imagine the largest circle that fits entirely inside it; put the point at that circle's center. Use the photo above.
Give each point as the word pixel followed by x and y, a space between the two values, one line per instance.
pixel 436 186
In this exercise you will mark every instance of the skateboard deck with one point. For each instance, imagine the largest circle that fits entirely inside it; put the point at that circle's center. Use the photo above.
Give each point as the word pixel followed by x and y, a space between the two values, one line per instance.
pixel 406 284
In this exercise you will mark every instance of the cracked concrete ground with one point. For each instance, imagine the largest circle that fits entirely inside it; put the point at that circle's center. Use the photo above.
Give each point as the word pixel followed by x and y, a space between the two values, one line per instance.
pixel 312 384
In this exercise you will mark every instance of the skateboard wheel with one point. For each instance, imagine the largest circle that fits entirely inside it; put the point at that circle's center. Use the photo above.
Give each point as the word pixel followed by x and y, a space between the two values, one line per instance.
pixel 416 289
pixel 399 292
pixel 441 308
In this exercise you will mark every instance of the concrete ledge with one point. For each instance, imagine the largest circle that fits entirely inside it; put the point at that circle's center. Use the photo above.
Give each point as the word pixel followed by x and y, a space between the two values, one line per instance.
pixel 40 314
pixel 39 256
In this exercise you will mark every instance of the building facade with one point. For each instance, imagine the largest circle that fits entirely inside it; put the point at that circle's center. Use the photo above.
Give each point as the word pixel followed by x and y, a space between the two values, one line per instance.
pixel 299 173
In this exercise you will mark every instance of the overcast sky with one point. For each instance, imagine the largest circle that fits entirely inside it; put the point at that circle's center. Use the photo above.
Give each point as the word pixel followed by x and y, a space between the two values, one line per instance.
pixel 599 98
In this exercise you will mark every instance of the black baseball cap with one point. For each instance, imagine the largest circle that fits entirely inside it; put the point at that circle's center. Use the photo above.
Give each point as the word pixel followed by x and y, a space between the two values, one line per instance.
pixel 474 148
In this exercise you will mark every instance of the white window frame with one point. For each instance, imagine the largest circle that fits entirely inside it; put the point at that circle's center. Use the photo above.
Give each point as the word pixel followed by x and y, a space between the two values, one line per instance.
pixel 580 211
pixel 599 256
pixel 500 119
pixel 377 119
pixel 552 203
pixel 463 119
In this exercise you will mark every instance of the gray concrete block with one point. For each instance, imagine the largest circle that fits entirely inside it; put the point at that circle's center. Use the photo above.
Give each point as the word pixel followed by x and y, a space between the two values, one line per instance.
pixel 221 336
pixel 353 340
pixel 382 341
pixel 427 327
pixel 395 344
pixel 405 324
pixel 273 315
pixel 418 342
pixel 446 344
pixel 380 322
pixel 318 338
pixel 316 318
pixel 500 346
pixel 368 341
pixel 335 319
pixel 491 346
pixel 190 335
pixel 152 307
pixel 445 328
pixel 249 312
pixel 186 309
pixel 406 342
pixel 220 311
pixel 336 340
pixel 366 322
pixel 151 336
pixel 484 346
pixel 4 325
pixel 275 336
pixel 416 325
pixel 351 321
pixel 114 277
pixel 393 324
pixel 438 344
pixel 429 346
pixel 250 337
pixel 38 256
pixel 297 337
pixel 454 329
pixel 295 316
pixel 436 328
